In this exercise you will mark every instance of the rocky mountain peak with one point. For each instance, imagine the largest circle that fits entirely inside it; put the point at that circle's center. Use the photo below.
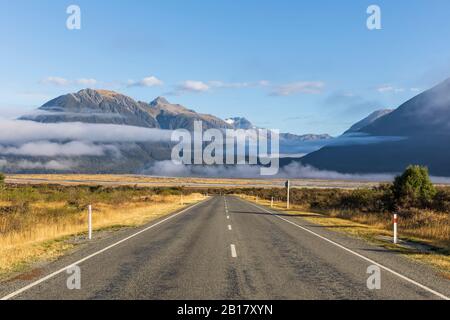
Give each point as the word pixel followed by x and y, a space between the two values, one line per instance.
pixel 159 101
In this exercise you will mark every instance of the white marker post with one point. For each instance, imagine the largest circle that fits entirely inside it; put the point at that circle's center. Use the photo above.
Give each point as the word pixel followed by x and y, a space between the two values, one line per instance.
pixel 288 187
pixel 395 228
pixel 271 203
pixel 90 222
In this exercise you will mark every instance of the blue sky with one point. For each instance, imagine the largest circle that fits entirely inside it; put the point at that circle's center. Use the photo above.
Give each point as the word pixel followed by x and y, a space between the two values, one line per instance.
pixel 298 66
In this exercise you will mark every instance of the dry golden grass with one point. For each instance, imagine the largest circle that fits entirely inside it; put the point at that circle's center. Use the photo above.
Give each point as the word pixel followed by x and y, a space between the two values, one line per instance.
pixel 46 205
pixel 35 236
pixel 111 179
pixel 429 228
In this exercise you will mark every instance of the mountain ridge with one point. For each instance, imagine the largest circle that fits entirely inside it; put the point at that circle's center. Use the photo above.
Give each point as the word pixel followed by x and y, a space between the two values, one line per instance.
pixel 110 107
pixel 423 126
pixel 374 116
pixel 426 113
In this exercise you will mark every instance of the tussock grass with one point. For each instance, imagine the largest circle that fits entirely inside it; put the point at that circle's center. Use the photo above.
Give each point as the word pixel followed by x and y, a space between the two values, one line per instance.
pixel 426 226
pixel 37 221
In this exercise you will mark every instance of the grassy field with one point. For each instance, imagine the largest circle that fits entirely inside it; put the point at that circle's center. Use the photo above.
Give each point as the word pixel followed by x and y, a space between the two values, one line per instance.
pixel 428 227
pixel 43 222
pixel 116 180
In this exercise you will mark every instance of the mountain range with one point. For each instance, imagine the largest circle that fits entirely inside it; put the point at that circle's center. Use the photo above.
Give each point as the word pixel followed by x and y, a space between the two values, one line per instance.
pixel 417 132
pixel 107 108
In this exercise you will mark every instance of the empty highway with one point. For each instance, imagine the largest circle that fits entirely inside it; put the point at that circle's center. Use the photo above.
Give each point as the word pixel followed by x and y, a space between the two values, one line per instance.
pixel 227 248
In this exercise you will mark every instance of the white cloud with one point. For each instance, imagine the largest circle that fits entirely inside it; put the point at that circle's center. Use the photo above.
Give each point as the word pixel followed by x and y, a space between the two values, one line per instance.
pixel 151 81
pixel 194 86
pixel 294 170
pixel 232 85
pixel 18 131
pixel 305 87
pixel 63 82
pixel 50 165
pixel 86 82
pixel 238 85
pixel 58 81
pixel 57 165
pixel 52 149
pixel 385 88
pixel 200 86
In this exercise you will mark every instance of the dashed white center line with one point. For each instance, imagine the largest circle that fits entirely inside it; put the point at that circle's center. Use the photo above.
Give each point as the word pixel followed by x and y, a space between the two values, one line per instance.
pixel 228 217
pixel 229 227
pixel 233 251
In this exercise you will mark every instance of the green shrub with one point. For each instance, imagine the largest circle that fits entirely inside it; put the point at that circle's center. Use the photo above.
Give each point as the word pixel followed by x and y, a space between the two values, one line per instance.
pixel 413 188
pixel 366 200
pixel 2 178
pixel 441 201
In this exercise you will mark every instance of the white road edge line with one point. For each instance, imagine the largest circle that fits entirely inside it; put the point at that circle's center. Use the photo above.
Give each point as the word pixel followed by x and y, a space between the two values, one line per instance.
pixel 48 277
pixel 233 251
pixel 440 295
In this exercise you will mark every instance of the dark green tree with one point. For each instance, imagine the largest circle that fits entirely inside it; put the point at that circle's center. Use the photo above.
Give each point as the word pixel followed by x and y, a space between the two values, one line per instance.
pixel 413 188
pixel 2 178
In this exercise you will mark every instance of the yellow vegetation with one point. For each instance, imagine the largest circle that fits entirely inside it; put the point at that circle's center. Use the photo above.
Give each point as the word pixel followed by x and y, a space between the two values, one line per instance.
pixel 39 234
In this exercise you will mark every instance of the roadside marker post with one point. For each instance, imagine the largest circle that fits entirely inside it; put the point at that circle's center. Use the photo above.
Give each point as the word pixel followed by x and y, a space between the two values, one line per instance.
pixel 288 187
pixel 90 222
pixel 271 203
pixel 395 228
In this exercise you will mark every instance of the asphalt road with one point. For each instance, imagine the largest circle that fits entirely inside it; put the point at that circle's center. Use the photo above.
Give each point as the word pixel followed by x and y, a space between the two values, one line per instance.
pixel 227 248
